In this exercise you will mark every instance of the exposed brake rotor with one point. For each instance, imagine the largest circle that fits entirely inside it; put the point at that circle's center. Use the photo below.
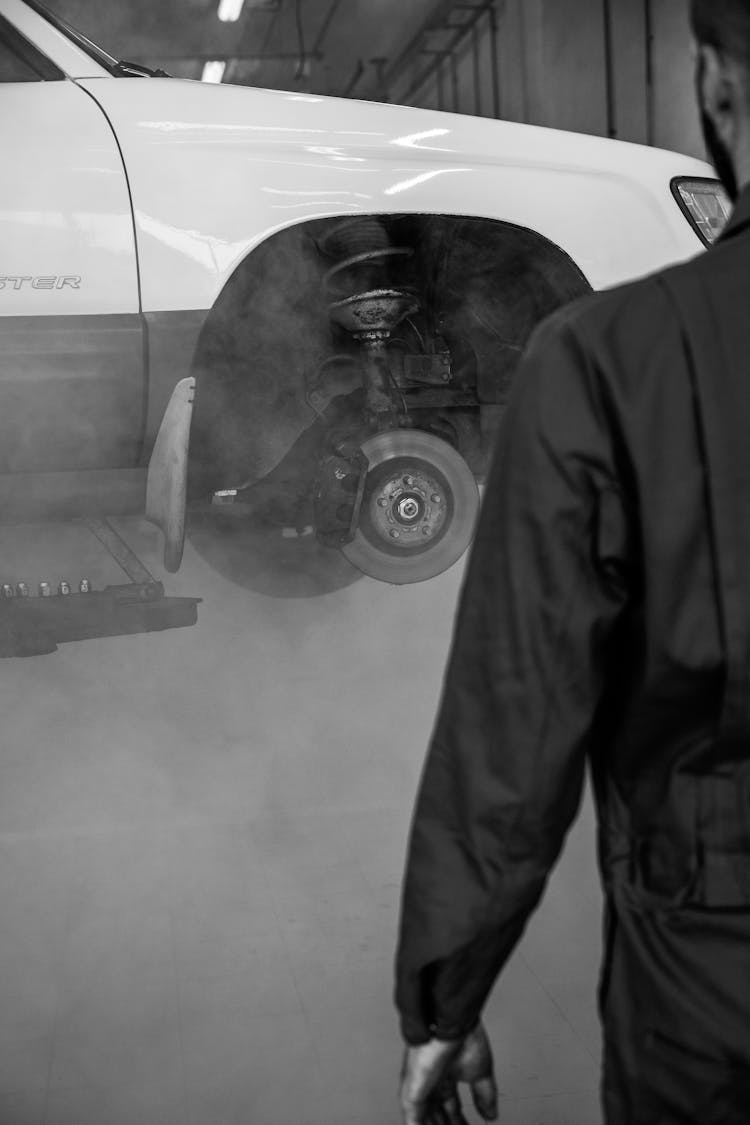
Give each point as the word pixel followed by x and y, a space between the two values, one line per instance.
pixel 419 508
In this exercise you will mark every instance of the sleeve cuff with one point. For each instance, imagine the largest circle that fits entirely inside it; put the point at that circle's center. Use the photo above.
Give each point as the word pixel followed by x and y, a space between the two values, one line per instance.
pixel 449 1033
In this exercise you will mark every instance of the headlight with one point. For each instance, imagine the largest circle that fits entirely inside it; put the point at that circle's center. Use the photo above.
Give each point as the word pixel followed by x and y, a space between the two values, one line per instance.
pixel 705 204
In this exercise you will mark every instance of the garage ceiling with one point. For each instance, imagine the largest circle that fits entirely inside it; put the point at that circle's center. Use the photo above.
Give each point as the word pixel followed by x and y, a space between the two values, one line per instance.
pixel 340 47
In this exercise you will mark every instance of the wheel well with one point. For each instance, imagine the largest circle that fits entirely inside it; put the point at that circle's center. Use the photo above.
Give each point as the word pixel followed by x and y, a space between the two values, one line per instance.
pixel 482 285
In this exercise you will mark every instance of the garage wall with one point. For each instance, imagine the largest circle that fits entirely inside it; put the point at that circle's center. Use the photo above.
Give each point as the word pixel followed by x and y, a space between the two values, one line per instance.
pixel 619 68
pixel 675 116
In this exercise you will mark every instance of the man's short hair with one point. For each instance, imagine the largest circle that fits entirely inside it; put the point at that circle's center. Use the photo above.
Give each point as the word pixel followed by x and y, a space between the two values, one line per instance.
pixel 723 24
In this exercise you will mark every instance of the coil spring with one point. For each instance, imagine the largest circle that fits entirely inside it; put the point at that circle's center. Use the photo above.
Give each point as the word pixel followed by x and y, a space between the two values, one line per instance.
pixel 355 236
pixel 361 245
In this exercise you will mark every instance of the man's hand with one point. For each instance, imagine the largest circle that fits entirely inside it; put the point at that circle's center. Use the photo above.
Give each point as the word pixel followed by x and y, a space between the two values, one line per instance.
pixel 430 1077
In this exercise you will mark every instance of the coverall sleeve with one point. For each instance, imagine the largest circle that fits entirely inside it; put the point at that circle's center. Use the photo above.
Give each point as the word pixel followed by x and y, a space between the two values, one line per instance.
pixel 503 776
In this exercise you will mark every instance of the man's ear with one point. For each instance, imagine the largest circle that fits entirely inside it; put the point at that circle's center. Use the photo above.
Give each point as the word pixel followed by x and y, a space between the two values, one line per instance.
pixel 720 92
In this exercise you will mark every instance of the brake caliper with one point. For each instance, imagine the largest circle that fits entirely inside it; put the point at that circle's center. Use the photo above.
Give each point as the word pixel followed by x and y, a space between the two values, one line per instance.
pixel 337 498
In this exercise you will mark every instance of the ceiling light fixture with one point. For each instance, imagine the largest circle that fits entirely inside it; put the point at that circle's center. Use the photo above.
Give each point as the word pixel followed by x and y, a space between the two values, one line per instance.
pixel 230 10
pixel 213 71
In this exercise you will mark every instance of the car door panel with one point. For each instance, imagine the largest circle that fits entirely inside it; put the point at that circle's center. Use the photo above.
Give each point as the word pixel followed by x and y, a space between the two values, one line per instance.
pixel 72 392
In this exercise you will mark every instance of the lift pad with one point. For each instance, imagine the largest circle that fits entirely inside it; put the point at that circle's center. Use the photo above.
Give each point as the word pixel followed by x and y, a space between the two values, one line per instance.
pixel 33 626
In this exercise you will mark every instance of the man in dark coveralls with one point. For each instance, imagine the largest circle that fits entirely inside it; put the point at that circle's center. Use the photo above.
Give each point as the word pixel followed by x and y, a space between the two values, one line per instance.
pixel 605 617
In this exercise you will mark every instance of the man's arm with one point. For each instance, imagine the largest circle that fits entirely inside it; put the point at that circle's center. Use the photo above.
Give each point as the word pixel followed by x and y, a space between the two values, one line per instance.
pixel 504 772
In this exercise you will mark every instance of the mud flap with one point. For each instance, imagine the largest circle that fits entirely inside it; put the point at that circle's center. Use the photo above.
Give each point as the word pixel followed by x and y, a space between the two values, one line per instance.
pixel 166 480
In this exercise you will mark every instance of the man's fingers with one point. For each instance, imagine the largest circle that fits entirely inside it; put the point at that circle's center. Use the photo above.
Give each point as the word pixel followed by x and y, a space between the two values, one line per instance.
pixel 430 1075
pixel 408 1116
pixel 421 1073
pixel 454 1113
pixel 413 1113
pixel 442 1108
pixel 438 1115
pixel 484 1093
pixel 451 1104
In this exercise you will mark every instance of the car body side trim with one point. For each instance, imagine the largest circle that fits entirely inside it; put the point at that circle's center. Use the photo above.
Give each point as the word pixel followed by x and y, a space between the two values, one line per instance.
pixel 71 390
pixel 25 497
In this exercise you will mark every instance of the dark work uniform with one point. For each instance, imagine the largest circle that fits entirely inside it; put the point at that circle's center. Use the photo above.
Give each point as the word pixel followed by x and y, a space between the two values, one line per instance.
pixel 605 617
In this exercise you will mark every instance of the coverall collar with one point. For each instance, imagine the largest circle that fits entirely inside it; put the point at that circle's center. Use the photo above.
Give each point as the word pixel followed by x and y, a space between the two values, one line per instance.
pixel 740 217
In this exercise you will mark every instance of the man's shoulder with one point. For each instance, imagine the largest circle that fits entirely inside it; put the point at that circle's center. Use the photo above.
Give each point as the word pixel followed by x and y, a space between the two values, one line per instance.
pixel 634 306
pixel 645 304
pixel 623 335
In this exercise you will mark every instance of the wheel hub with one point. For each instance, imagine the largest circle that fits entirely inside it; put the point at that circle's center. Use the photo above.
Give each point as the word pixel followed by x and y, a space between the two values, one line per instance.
pixel 408 507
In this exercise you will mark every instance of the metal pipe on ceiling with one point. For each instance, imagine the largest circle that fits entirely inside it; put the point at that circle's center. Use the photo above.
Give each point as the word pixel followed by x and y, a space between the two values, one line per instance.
pixel 356 76
pixel 650 99
pixel 454 81
pixel 609 69
pixel 203 56
pixel 326 24
pixel 494 60
pixel 475 64
pixel 460 32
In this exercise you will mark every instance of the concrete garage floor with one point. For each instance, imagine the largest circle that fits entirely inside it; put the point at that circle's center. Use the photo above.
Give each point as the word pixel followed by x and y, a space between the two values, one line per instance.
pixel 201 842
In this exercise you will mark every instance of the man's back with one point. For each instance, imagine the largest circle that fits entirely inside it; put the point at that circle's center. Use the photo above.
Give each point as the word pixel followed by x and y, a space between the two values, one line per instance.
pixel 671 764
pixel 605 618
pixel 592 626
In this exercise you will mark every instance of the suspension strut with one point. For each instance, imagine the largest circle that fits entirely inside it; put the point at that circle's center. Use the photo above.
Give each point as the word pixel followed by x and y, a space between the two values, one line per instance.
pixel 366 308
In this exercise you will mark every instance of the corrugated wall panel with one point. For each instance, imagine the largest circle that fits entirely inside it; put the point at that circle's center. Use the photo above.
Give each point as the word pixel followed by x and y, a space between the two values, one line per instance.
pixel 585 65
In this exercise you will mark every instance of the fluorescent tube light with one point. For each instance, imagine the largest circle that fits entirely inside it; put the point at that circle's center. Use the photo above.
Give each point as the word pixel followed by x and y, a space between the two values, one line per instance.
pixel 230 10
pixel 213 71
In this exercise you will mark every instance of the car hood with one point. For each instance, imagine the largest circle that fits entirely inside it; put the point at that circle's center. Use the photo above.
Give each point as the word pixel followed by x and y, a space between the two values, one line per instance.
pixel 344 129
